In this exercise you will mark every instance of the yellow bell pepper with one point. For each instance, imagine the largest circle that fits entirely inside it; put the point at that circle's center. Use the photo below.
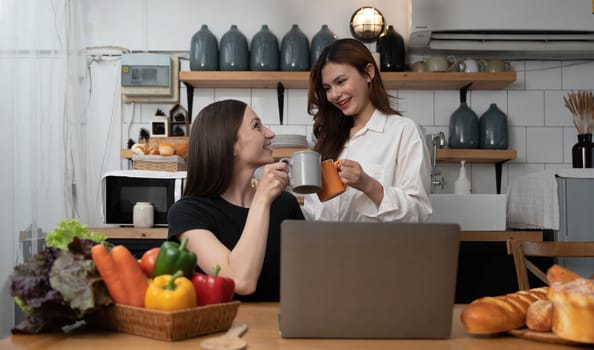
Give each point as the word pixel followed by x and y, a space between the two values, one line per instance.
pixel 170 292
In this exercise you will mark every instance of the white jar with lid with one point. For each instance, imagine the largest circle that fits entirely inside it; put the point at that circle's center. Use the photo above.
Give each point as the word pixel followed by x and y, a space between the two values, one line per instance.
pixel 143 215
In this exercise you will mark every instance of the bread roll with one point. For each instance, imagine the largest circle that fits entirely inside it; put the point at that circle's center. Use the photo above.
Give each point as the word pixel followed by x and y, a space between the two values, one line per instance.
pixel 181 149
pixel 166 149
pixel 558 274
pixel 573 310
pixel 490 315
pixel 539 316
pixel 153 151
pixel 138 149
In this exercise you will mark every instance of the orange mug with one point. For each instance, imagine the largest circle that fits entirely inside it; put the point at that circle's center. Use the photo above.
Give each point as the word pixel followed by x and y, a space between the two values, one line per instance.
pixel 332 186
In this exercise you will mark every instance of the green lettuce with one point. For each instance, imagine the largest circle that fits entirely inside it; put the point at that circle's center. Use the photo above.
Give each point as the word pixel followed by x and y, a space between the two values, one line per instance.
pixel 59 288
pixel 62 235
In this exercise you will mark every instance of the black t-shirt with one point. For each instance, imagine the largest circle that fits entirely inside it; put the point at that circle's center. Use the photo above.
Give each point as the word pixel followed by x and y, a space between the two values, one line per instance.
pixel 226 222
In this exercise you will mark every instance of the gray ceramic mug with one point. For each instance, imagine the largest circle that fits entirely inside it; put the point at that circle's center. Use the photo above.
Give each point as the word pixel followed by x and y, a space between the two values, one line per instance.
pixel 305 174
pixel 494 66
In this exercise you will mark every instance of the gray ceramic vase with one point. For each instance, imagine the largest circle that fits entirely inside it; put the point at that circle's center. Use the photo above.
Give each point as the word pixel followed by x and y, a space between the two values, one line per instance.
pixel 234 53
pixel 204 50
pixel 294 51
pixel 464 125
pixel 325 37
pixel 264 53
pixel 493 132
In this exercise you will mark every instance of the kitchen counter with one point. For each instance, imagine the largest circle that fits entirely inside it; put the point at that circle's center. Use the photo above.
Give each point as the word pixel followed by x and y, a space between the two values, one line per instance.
pixel 263 334
pixel 122 233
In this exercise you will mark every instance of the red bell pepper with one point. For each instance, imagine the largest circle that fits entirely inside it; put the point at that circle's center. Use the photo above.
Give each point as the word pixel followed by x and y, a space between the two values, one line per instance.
pixel 213 289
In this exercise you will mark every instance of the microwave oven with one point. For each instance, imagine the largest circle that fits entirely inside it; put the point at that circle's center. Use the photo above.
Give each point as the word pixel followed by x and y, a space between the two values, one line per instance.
pixel 121 190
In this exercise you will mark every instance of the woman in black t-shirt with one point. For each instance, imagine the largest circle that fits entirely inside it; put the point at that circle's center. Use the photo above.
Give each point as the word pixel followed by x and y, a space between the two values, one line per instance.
pixel 229 220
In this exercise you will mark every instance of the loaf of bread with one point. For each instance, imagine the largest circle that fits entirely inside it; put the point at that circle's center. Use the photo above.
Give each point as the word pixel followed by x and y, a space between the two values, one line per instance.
pixel 490 315
pixel 573 310
pixel 558 274
pixel 539 316
pixel 166 149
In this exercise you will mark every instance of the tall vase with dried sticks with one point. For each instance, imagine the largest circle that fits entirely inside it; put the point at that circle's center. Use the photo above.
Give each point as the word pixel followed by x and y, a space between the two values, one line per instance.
pixel 581 106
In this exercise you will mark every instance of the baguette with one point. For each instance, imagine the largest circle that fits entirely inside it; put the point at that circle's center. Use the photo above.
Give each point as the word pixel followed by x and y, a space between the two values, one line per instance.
pixel 490 315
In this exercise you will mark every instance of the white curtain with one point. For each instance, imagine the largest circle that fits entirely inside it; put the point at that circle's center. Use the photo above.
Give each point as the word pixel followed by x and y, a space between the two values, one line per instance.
pixel 44 99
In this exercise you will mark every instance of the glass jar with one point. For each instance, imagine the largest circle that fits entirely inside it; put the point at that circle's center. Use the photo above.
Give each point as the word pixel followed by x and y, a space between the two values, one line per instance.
pixel 143 215
pixel 581 153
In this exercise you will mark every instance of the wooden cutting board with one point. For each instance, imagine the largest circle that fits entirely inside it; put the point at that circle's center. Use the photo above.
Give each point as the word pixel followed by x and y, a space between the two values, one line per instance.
pixel 543 337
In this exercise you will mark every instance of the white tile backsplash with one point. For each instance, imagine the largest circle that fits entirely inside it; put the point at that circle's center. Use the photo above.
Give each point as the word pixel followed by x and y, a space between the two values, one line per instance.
pixel 556 114
pixel 578 75
pixel 517 141
pixel 244 95
pixel 525 108
pixel 297 107
pixel 482 99
pixel 265 103
pixel 543 75
pixel 446 103
pixel 544 145
pixel 416 105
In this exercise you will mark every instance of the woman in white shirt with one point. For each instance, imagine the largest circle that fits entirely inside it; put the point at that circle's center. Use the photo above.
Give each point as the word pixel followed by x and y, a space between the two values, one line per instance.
pixel 382 155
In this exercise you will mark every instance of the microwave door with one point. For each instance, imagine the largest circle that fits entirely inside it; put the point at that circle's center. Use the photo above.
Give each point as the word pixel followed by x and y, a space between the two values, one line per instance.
pixel 122 193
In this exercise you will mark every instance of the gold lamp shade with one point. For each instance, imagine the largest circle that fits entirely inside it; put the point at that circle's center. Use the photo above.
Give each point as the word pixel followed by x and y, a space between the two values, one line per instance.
pixel 367 23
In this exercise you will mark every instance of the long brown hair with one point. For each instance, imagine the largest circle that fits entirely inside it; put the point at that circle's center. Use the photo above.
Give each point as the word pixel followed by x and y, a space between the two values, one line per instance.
pixel 210 154
pixel 331 127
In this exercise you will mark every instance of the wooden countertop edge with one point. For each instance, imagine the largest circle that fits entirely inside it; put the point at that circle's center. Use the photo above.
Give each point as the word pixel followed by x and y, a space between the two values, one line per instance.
pixel 465 236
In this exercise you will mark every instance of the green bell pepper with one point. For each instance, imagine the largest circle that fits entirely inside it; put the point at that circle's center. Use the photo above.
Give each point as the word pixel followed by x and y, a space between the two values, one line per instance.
pixel 173 257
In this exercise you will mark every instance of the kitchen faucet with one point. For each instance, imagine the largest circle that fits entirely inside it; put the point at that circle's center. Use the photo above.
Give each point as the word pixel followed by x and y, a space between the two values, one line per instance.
pixel 437 141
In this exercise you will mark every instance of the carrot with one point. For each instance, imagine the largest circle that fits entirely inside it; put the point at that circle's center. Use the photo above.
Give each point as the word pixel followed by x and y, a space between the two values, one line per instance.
pixel 132 275
pixel 110 274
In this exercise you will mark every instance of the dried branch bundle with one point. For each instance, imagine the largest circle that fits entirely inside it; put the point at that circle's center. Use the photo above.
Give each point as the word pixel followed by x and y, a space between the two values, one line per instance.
pixel 581 106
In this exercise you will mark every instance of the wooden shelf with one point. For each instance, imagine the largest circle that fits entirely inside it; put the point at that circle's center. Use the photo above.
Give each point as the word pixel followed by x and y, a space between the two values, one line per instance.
pixel 132 233
pixel 392 80
pixel 443 155
pixel 476 155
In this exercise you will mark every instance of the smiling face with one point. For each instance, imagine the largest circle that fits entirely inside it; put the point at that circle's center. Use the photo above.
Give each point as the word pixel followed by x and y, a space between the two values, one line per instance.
pixel 348 89
pixel 253 145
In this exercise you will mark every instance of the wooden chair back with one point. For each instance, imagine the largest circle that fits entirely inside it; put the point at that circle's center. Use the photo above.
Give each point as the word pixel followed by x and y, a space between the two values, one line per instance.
pixel 523 249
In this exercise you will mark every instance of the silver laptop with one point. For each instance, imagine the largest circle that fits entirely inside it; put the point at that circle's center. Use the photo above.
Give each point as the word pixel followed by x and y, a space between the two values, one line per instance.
pixel 367 280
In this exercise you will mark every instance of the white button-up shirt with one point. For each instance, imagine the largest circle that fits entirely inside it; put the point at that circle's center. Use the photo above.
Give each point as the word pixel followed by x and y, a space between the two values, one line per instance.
pixel 392 150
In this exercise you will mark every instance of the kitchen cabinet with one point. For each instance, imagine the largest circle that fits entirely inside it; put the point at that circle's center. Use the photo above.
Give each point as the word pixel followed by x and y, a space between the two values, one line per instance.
pixel 300 80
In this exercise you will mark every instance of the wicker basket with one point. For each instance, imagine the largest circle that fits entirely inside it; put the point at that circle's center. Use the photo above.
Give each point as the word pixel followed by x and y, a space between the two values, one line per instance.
pixel 158 163
pixel 169 325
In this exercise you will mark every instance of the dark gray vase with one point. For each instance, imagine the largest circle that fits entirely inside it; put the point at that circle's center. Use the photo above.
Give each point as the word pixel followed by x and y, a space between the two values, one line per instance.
pixel 234 53
pixel 264 54
pixel 464 125
pixel 204 50
pixel 390 46
pixel 325 37
pixel 493 132
pixel 294 51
